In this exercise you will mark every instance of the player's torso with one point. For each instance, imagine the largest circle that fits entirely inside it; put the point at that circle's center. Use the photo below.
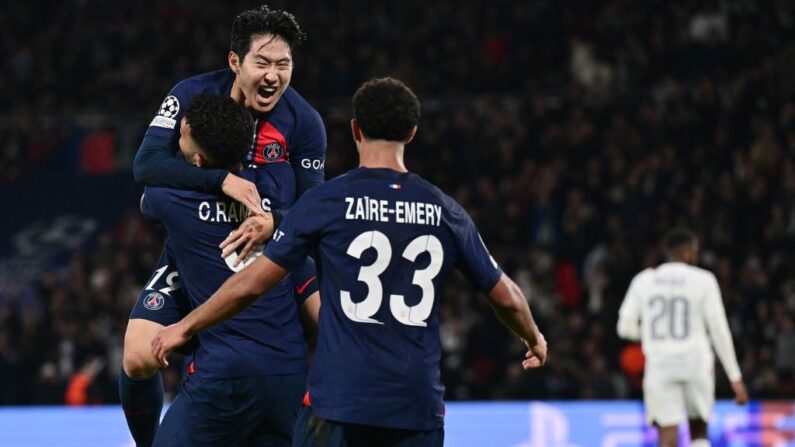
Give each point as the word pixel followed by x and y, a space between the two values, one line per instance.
pixel 674 334
pixel 269 327
pixel 383 261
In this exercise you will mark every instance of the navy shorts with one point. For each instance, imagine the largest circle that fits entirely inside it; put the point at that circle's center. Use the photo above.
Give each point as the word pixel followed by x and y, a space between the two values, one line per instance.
pixel 312 431
pixel 163 299
pixel 248 411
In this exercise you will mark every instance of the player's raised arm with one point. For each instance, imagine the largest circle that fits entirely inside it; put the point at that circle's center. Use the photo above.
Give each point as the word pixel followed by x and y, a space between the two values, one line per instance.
pixel 156 163
pixel 512 309
pixel 628 326
pixel 237 293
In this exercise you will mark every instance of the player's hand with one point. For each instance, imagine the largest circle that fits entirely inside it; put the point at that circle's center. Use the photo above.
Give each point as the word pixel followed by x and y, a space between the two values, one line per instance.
pixel 255 230
pixel 740 393
pixel 168 339
pixel 536 355
pixel 244 192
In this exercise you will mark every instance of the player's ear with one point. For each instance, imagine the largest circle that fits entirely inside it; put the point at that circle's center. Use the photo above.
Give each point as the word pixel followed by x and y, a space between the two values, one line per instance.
pixel 411 135
pixel 356 131
pixel 234 62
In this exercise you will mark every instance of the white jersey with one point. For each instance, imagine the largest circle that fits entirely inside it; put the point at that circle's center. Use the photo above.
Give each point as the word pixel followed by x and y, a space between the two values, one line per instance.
pixel 675 310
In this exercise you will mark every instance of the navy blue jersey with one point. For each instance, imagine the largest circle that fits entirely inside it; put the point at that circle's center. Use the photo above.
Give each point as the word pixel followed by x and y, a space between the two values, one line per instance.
pixel 385 243
pixel 267 338
pixel 292 131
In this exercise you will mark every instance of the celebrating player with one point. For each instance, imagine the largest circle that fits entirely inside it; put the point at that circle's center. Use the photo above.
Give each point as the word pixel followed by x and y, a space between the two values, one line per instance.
pixel 248 375
pixel 287 129
pixel 675 310
pixel 387 241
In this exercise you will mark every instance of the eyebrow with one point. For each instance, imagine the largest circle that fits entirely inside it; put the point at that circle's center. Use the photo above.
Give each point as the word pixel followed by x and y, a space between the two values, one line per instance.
pixel 284 59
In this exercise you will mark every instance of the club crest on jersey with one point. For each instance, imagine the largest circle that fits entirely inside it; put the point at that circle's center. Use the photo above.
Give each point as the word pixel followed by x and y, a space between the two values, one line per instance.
pixel 154 301
pixel 272 152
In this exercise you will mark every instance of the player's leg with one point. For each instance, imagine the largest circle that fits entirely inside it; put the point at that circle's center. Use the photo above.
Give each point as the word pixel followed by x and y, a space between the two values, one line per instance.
pixel 698 433
pixel 664 403
pixel 283 394
pixel 140 386
pixel 699 400
pixel 313 431
pixel 214 412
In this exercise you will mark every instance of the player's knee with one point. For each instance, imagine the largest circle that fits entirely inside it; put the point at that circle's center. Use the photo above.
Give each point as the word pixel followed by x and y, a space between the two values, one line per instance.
pixel 139 364
pixel 138 361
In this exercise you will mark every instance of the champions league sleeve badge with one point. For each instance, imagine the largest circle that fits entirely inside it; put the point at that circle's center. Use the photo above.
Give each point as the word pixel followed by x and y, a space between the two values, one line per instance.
pixel 166 114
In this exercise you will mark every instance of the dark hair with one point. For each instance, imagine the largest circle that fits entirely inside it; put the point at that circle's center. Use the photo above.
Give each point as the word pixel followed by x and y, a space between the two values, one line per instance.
pixel 678 238
pixel 261 21
pixel 386 109
pixel 221 127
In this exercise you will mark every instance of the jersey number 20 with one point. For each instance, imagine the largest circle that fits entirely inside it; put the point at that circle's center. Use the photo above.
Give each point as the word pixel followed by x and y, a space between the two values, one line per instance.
pixel 416 315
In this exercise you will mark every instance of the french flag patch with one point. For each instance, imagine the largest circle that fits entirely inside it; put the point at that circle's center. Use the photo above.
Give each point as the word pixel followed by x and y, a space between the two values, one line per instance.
pixel 394 186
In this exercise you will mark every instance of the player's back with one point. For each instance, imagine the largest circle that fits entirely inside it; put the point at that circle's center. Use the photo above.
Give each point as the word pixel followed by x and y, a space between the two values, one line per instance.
pixel 266 338
pixel 673 300
pixel 388 242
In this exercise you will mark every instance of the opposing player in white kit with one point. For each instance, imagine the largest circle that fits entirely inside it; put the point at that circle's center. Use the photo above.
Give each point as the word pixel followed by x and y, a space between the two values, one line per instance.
pixel 675 310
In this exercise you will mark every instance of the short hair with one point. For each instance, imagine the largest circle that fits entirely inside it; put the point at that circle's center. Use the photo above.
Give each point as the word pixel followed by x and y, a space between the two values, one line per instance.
pixel 677 238
pixel 261 21
pixel 221 127
pixel 385 109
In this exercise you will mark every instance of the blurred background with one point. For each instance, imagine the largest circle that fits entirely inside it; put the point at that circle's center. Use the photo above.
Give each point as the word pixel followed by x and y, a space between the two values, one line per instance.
pixel 575 133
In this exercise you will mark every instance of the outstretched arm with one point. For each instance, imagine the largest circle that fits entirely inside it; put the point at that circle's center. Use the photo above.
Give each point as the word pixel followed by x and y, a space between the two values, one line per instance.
pixel 237 293
pixel 510 305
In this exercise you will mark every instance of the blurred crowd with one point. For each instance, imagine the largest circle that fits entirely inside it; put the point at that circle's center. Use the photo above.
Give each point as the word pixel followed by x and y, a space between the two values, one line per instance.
pixel 575 136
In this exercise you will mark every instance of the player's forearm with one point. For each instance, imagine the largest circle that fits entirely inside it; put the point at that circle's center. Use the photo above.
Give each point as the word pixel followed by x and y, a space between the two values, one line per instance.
pixel 512 309
pixel 724 347
pixel 155 165
pixel 237 293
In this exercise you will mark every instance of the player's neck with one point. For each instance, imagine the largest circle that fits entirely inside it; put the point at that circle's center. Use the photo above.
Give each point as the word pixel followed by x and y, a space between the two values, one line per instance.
pixel 382 154
pixel 236 93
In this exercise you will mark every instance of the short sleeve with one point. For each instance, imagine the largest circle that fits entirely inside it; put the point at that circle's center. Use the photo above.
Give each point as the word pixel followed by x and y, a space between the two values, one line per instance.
pixel 297 233
pixel 304 280
pixel 474 260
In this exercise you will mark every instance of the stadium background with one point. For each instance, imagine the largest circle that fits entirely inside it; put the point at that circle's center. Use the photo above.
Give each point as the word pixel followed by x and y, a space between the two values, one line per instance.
pixel 575 133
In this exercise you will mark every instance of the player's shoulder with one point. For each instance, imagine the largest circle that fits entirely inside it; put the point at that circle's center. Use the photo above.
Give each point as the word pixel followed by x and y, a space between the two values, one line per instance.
pixel 644 275
pixel 449 205
pixel 217 82
pixel 304 112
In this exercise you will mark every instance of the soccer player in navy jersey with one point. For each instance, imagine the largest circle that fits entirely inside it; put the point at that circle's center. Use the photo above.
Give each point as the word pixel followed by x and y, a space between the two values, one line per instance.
pixel 386 242
pixel 287 130
pixel 247 376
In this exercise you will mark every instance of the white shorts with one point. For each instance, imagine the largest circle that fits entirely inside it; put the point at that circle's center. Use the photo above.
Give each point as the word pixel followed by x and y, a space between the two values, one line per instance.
pixel 670 401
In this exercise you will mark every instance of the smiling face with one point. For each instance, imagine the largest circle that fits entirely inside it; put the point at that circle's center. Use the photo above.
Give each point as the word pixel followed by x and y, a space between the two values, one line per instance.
pixel 263 73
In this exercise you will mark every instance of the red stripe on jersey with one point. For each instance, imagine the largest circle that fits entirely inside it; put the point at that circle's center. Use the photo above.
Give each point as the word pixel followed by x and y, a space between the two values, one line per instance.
pixel 270 145
pixel 307 402
pixel 192 367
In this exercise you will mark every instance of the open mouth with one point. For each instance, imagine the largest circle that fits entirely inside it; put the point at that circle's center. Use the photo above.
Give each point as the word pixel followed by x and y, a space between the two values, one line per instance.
pixel 266 92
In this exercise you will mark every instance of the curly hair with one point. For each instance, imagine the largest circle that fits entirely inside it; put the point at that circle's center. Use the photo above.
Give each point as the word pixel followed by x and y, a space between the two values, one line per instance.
pixel 261 21
pixel 386 109
pixel 221 127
